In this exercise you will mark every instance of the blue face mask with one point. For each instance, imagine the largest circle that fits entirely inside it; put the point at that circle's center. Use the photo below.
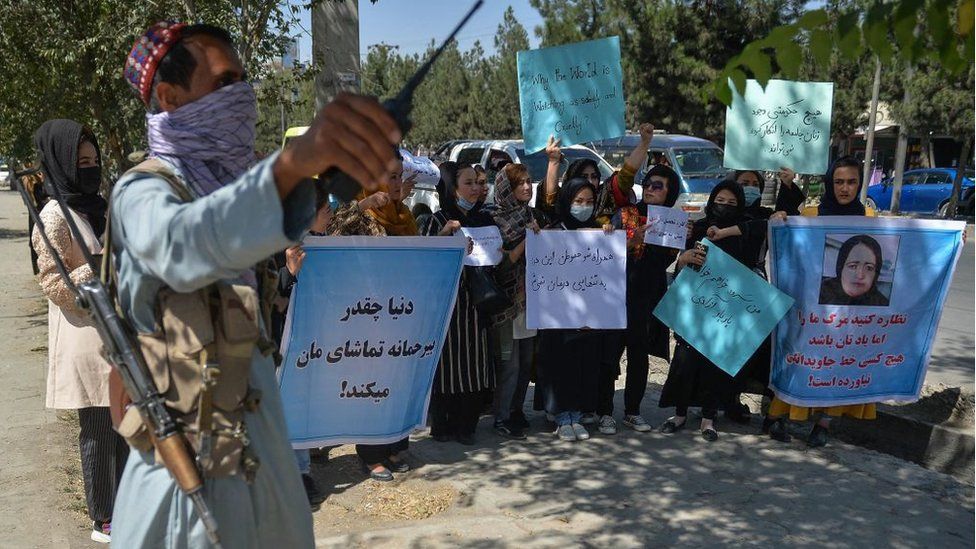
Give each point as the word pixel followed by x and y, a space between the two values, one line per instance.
pixel 464 204
pixel 752 194
pixel 581 213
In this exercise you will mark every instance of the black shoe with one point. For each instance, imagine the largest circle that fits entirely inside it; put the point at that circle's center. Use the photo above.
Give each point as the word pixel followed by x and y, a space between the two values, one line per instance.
pixel 315 496
pixel 711 435
pixel 670 427
pixel 466 439
pixel 767 422
pixel 818 437
pixel 441 438
pixel 399 466
pixel 519 420
pixel 509 430
pixel 383 475
pixel 777 431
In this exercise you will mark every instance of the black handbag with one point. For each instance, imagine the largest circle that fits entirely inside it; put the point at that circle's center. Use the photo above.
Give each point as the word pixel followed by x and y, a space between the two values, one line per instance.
pixel 486 296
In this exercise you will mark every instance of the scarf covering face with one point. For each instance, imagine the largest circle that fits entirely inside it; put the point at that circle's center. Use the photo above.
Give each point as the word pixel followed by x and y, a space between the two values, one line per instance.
pixel 511 215
pixel 712 219
pixel 829 204
pixel 395 218
pixel 210 140
pixel 57 145
pixel 564 202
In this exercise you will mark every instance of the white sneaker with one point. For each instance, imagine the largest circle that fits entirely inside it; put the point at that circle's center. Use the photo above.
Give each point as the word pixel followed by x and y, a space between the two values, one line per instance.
pixel 566 432
pixel 101 533
pixel 588 419
pixel 637 423
pixel 608 426
pixel 581 432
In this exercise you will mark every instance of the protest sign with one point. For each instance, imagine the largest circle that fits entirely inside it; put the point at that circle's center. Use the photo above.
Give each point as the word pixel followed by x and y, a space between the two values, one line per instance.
pixel 574 92
pixel 869 294
pixel 668 227
pixel 787 124
pixel 487 248
pixel 423 169
pixel 576 279
pixel 364 332
pixel 724 310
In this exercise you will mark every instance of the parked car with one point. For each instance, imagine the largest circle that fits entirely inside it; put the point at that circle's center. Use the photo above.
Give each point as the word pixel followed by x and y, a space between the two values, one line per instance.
pixel 698 162
pixel 424 200
pixel 443 151
pixel 6 175
pixel 923 191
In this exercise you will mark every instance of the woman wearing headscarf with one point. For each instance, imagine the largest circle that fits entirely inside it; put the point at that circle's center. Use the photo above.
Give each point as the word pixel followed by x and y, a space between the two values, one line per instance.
pixel 513 344
pixel 647 281
pixel 464 371
pixel 859 263
pixel 569 359
pixel 842 187
pixel 77 374
pixel 693 380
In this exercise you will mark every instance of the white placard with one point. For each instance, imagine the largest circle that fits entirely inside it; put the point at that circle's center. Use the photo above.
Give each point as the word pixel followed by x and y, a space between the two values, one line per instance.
pixel 576 279
pixel 427 173
pixel 487 246
pixel 668 227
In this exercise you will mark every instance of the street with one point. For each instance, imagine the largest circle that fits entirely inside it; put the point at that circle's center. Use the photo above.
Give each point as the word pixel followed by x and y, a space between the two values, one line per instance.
pixel 630 490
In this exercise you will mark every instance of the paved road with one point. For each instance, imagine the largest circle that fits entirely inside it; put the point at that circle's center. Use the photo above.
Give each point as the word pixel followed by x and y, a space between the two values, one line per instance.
pixel 952 355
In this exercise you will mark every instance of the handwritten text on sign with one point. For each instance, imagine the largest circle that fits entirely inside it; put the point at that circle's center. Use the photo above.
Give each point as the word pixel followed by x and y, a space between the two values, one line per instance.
pixel 576 279
pixel 787 124
pixel 574 92
pixel 487 246
pixel 724 310
pixel 422 169
pixel 833 355
pixel 362 342
pixel 668 227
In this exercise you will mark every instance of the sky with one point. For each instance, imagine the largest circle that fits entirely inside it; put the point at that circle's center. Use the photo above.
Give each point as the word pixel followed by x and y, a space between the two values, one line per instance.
pixel 412 24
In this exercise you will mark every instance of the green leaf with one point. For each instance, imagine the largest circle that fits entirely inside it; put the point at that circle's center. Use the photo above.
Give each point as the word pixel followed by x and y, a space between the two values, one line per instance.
pixel 849 36
pixel 876 31
pixel 813 19
pixel 723 92
pixel 820 47
pixel 739 80
pixel 781 35
pixel 937 21
pixel 789 56
pixel 966 17
pixel 905 21
pixel 760 65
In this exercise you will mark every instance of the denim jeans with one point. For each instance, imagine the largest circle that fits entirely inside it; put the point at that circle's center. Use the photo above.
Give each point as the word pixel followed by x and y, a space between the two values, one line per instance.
pixel 513 367
pixel 568 418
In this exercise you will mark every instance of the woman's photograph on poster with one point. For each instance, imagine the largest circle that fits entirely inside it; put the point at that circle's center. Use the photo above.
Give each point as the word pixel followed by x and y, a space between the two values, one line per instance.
pixel 858 270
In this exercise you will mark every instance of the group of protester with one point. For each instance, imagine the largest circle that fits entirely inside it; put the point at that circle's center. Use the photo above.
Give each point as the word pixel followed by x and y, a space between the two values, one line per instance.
pixel 206 212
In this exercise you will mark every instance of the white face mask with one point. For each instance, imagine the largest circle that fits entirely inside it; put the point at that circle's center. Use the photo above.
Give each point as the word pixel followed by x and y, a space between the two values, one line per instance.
pixel 580 212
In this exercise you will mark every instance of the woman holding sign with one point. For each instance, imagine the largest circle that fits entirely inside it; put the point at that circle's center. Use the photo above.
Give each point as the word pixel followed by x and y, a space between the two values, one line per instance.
pixel 464 372
pixel 842 190
pixel 693 380
pixel 647 281
pixel 569 359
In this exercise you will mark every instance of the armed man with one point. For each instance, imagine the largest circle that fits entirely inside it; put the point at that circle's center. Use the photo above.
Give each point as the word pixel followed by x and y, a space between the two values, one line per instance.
pixel 188 227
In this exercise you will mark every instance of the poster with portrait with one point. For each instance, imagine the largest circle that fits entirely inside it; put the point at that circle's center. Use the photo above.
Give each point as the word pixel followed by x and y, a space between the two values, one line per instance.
pixel 868 298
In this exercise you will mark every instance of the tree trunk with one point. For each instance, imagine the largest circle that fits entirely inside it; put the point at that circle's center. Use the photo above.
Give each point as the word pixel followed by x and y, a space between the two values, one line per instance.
pixel 902 149
pixel 967 147
pixel 872 120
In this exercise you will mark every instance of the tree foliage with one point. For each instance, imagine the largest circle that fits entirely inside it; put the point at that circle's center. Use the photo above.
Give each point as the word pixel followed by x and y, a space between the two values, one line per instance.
pixel 64 59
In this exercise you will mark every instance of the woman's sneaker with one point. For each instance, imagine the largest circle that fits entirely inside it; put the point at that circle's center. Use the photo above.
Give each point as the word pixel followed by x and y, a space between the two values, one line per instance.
pixel 566 432
pixel 581 432
pixel 607 425
pixel 637 423
pixel 102 532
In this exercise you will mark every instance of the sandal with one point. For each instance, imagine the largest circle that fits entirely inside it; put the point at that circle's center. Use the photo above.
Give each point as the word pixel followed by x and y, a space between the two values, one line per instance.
pixel 711 435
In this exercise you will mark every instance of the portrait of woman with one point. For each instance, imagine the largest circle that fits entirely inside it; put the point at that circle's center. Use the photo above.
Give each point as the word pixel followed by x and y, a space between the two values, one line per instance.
pixel 856 278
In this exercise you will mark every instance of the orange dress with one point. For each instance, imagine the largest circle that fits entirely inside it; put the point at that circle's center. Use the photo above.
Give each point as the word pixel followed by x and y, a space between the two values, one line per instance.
pixel 778 408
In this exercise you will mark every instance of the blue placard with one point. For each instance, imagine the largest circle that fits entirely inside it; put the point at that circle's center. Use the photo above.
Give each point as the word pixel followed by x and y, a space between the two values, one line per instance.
pixel 724 310
pixel 574 92
pixel 862 328
pixel 785 125
pixel 364 332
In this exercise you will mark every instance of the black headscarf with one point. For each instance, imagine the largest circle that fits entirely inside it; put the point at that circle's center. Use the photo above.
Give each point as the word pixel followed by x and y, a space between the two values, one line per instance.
pixel 734 188
pixel 57 146
pixel 564 203
pixel 674 186
pixel 576 168
pixel 447 194
pixel 832 290
pixel 828 203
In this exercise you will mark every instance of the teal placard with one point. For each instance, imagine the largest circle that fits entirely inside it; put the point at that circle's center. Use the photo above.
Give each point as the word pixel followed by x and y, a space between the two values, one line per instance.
pixel 724 310
pixel 787 124
pixel 574 92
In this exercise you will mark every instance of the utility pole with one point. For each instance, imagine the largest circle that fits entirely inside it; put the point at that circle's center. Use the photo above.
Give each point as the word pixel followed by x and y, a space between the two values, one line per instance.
pixel 967 149
pixel 872 121
pixel 335 49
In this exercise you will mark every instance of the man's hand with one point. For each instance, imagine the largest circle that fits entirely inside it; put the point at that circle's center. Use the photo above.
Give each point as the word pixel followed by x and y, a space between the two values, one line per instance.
pixel 352 133
pixel 294 257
